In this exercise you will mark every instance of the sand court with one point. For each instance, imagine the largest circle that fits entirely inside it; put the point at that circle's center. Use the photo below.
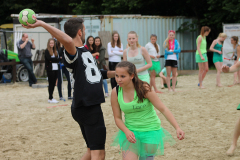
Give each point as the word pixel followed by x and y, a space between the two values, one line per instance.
pixel 31 128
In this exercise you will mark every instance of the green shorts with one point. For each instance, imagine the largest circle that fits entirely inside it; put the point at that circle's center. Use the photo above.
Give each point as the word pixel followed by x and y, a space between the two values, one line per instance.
pixel 217 57
pixel 199 60
pixel 155 67
pixel 145 78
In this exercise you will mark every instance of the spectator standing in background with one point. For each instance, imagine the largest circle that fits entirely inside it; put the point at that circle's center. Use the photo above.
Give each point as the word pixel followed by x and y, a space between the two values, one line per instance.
pixel 24 54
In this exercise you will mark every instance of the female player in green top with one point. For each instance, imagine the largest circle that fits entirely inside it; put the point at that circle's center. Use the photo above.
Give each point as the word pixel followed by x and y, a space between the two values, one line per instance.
pixel 201 54
pixel 141 135
pixel 216 47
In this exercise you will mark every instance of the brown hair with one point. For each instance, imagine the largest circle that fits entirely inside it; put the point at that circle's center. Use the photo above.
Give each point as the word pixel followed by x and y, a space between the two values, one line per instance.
pixel 58 45
pixel 54 50
pixel 72 26
pixel 133 32
pixel 139 85
pixel 118 41
pixel 204 29
pixel 235 38
pixel 88 45
pixel 97 48
pixel 155 44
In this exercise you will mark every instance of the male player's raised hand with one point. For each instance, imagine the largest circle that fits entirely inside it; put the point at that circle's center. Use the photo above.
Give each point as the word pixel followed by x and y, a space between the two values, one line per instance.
pixel 225 69
pixel 36 24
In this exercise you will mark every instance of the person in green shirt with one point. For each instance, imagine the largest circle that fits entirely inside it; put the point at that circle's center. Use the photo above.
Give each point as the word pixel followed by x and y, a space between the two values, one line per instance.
pixel 141 136
pixel 201 54
pixel 163 75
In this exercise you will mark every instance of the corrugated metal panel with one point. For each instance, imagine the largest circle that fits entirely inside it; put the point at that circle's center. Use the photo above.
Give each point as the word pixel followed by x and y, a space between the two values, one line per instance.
pixel 145 26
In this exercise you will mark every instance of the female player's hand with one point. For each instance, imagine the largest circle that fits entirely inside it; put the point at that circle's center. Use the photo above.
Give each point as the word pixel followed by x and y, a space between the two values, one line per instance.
pixel 130 136
pixel 202 58
pixel 225 69
pixel 180 134
pixel 220 52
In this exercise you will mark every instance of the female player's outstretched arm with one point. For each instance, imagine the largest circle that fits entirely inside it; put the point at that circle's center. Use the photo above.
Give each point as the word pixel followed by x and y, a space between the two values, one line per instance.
pixel 62 37
pixel 118 117
pixel 148 60
pixel 153 98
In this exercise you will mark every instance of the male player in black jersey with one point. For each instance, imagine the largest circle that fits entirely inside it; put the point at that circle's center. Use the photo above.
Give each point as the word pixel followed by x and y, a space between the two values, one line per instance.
pixel 88 91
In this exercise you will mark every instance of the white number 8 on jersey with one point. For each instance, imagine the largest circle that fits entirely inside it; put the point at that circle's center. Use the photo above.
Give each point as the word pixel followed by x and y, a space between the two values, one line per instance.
pixel 86 56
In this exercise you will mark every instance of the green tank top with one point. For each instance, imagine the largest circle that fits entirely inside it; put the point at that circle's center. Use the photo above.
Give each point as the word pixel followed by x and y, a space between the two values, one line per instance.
pixel 139 117
pixel 217 47
pixel 138 60
pixel 203 46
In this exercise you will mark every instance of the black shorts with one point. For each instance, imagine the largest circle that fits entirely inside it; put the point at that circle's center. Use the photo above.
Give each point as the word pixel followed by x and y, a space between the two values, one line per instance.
pixel 91 122
pixel 171 63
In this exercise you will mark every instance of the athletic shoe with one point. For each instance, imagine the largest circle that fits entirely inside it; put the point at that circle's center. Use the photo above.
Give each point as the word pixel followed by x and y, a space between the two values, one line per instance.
pixel 106 95
pixel 70 98
pixel 61 98
pixel 52 101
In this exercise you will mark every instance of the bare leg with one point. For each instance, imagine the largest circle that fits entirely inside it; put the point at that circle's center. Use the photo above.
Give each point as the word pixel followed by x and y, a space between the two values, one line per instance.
pixel 218 66
pixel 235 138
pixel 169 70
pixel 238 74
pixel 235 76
pixel 174 77
pixel 87 155
pixel 97 154
pixel 152 81
pixel 163 81
pixel 128 155
pixel 200 73
pixel 205 70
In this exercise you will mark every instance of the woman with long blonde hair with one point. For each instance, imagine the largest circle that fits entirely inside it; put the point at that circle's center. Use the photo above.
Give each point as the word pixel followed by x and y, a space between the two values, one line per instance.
pixel 115 52
pixel 51 66
pixel 172 49
pixel 137 55
pixel 216 47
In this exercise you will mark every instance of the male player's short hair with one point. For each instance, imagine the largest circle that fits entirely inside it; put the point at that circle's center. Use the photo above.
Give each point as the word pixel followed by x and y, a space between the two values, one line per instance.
pixel 72 26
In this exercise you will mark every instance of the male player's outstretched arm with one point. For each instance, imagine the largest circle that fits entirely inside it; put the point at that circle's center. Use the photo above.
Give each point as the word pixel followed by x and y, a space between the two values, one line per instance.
pixel 233 68
pixel 107 74
pixel 62 37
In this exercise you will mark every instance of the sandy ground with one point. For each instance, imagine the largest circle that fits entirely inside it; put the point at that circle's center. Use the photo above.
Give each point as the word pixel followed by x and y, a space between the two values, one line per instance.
pixel 31 128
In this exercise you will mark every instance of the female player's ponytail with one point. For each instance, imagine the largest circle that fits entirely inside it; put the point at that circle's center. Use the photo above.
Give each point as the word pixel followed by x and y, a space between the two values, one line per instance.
pixel 140 86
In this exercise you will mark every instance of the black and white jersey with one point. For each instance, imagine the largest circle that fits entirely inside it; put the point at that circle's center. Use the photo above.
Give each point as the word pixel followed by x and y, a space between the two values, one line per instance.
pixel 88 89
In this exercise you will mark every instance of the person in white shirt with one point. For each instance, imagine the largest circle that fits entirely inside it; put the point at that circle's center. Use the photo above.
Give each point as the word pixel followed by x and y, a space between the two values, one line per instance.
pixel 154 52
pixel 115 52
